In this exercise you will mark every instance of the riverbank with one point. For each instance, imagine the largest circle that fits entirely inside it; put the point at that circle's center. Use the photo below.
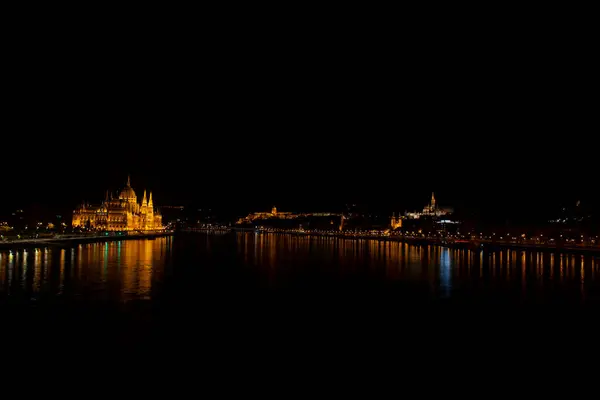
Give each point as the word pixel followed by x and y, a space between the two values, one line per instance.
pixel 72 240
pixel 424 241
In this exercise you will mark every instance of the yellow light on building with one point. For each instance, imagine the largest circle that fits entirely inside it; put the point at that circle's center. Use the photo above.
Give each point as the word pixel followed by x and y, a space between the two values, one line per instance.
pixel 121 214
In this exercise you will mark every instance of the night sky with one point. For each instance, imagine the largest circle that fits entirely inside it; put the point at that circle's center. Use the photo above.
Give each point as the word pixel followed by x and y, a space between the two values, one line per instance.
pixel 302 121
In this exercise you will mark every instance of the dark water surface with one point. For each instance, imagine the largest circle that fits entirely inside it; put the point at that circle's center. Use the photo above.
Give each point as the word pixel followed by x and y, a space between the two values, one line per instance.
pixel 252 291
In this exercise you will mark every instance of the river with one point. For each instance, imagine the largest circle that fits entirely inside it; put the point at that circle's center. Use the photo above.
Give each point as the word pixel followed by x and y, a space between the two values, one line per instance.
pixel 247 282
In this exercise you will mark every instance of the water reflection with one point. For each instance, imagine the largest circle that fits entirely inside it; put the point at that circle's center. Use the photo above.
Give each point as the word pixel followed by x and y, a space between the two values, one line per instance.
pixel 135 269
pixel 445 272
pixel 524 275
pixel 121 271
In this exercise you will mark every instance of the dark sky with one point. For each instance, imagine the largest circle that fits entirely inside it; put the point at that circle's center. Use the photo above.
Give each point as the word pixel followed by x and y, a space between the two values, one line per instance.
pixel 247 117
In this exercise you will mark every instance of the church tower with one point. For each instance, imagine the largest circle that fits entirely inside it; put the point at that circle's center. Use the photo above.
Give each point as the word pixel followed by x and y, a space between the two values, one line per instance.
pixel 144 203
pixel 143 212
pixel 395 223
pixel 150 213
pixel 432 201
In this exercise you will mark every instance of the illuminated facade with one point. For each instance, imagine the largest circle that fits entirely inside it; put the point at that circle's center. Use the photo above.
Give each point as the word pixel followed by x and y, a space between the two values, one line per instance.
pixel 121 214
pixel 275 214
pixel 395 222
pixel 266 215
pixel 430 210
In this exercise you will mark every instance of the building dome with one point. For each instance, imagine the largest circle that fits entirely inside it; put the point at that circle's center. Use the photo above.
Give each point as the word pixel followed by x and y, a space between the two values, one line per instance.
pixel 128 193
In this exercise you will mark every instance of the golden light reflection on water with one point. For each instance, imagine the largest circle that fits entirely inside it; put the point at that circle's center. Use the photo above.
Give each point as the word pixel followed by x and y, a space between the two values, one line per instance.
pixel 37 265
pixel 445 269
pixel 130 269
pixel 127 268
pixel 61 278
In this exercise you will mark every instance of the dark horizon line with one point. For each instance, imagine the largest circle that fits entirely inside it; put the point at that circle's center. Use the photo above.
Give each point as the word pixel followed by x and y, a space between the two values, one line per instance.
pixel 363 208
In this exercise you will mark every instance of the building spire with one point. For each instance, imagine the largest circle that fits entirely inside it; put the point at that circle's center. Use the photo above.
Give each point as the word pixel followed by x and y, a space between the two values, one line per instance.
pixel 144 198
pixel 128 180
pixel 150 200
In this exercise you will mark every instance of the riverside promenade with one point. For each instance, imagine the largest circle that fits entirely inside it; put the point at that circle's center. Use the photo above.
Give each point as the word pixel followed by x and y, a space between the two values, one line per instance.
pixel 444 241
pixel 74 239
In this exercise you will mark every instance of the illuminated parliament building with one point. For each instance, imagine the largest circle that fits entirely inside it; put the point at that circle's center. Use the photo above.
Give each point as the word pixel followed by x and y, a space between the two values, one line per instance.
pixel 119 214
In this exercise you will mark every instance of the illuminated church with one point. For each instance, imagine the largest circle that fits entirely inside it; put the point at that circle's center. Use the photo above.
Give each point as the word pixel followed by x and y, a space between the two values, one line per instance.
pixel 121 214
pixel 430 210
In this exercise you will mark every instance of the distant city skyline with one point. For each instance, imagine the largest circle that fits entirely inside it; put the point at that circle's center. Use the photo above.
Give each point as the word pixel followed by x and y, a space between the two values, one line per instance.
pixel 232 203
